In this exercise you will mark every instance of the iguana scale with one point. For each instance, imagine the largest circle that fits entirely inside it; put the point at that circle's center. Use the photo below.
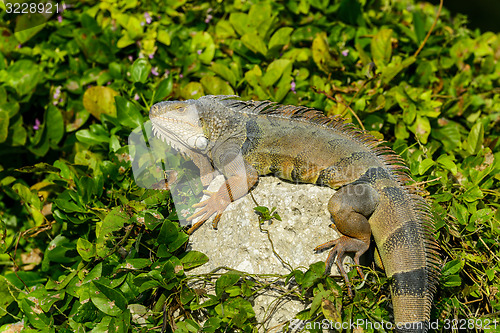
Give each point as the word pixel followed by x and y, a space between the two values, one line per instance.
pixel 247 139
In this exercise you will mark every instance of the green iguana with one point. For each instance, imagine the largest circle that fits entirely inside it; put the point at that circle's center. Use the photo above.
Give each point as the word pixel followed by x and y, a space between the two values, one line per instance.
pixel 247 139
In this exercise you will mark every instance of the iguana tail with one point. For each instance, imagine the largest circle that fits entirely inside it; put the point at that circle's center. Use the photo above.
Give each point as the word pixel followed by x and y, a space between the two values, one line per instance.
pixel 379 205
pixel 402 228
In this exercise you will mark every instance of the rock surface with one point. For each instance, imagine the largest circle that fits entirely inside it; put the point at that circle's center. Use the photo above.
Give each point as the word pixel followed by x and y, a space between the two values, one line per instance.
pixel 239 244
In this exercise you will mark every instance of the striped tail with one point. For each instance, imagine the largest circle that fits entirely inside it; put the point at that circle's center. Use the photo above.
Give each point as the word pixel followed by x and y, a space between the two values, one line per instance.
pixel 402 227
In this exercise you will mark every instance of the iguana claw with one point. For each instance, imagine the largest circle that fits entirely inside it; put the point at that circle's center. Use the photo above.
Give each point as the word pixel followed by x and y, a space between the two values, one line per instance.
pixel 213 205
pixel 337 254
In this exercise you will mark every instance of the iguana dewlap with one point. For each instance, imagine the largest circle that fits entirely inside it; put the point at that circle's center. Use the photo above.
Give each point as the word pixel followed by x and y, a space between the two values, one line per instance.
pixel 247 139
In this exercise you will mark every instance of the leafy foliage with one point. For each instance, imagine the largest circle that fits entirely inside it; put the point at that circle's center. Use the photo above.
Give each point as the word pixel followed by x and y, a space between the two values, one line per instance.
pixel 82 247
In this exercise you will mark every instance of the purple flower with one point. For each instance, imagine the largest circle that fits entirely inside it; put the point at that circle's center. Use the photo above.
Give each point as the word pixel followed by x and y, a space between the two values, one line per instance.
pixel 345 53
pixel 292 87
pixel 148 18
pixel 19 46
pixel 130 58
pixel 199 52
pixel 57 95
pixel 136 97
pixel 59 18
pixel 36 127
pixel 209 18
pixel 154 71
pixel 151 56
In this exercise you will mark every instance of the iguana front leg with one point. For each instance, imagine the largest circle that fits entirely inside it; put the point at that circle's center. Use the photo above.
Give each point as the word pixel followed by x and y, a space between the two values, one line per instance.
pixel 350 207
pixel 240 177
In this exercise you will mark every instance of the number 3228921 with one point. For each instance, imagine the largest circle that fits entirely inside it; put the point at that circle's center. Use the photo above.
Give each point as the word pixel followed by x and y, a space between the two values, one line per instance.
pixel 32 8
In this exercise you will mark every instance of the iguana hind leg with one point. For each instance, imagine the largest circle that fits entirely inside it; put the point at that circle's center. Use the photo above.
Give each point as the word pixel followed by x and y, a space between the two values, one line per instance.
pixel 350 208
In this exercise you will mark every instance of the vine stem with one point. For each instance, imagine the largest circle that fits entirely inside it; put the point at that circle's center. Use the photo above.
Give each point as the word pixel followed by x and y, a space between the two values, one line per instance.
pixel 430 30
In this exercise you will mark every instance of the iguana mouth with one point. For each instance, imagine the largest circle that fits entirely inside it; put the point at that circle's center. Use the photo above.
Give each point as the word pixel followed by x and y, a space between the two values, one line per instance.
pixel 177 132
pixel 191 141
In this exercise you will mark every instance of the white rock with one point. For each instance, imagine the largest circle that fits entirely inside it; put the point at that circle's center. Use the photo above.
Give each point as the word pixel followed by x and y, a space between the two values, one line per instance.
pixel 239 244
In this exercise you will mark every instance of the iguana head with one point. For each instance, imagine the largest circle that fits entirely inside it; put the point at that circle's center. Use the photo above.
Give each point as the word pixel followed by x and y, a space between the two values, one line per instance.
pixel 178 124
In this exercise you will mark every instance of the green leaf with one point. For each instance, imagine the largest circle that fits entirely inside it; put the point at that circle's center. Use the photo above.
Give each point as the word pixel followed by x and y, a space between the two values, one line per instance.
pixel 381 47
pixel 114 220
pixel 447 162
pixel 135 264
pixel 28 25
pixel 140 70
pixel 425 165
pixel 254 43
pixel 212 324
pixel 225 281
pixel 35 315
pixel 275 70
pixel 421 128
pixel 164 89
pixel 7 293
pixel 214 85
pixel 452 281
pixel 108 300
pixel 193 259
pixel 46 298
pixel 85 249
pixel 55 124
pixel 100 100
pixel 449 135
pixel 11 107
pixel 124 41
pixel 4 126
pixel 131 24
pixel 225 72
pixel 239 22
pixel 92 136
pixel 193 90
pixel 164 37
pixel 18 133
pixel 472 194
pixel 223 29
pixel 61 250
pixel 394 68
pixel 65 203
pixel 314 272
pixel 419 25
pixel 280 38
pixel 168 233
pixel 127 113
pixel 475 139
pixel 8 42
pixel 180 240
pixel 23 76
pixel 325 59
pixel 452 267
pixel 204 46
